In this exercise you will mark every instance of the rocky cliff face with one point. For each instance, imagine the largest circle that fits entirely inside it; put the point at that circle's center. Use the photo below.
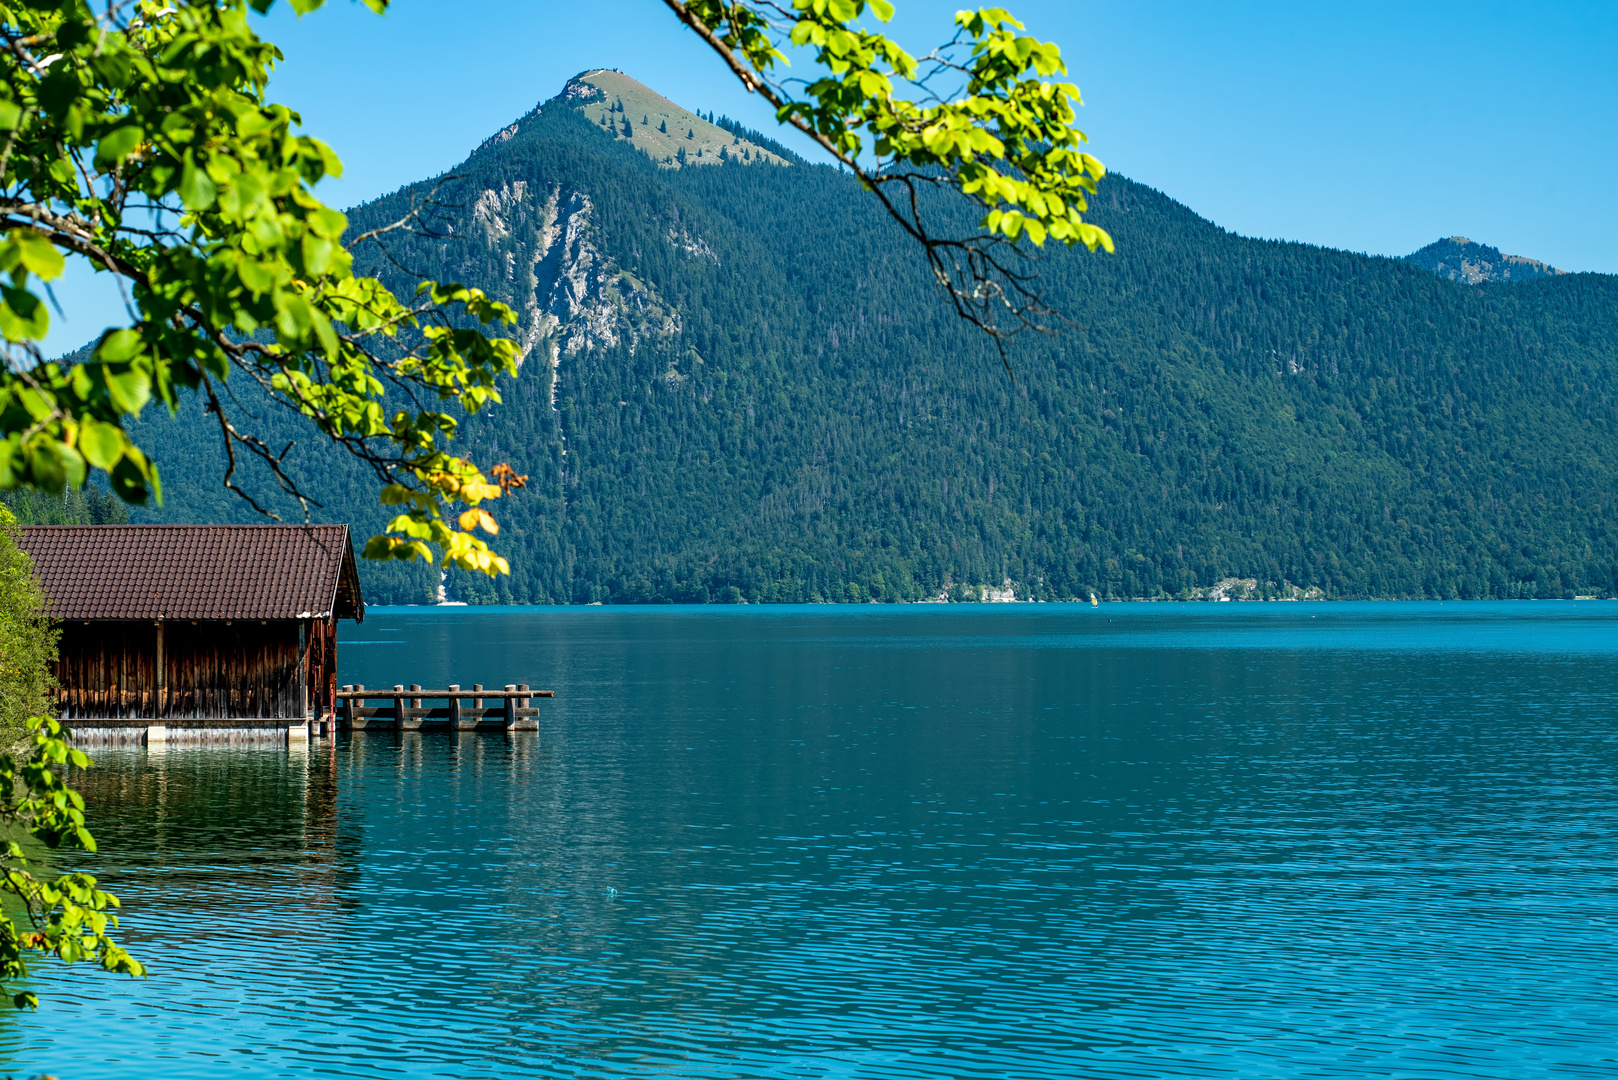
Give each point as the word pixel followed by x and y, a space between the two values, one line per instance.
pixel 568 294
pixel 1460 259
pixel 569 291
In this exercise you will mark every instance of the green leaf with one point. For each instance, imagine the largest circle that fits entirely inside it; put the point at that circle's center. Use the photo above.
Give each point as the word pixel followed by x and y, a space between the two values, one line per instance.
pixel 257 276
pixel 54 464
pixel 197 190
pixel 328 223
pixel 118 144
pixel 118 346
pixel 135 481
pixel 101 444
pixel 317 251
pixel 130 389
pixel 23 316
pixel 325 332
pixel 292 317
pixel 37 253
pixel 882 10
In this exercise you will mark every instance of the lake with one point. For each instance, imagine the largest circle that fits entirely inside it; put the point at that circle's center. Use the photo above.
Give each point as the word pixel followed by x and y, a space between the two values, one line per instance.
pixel 1139 840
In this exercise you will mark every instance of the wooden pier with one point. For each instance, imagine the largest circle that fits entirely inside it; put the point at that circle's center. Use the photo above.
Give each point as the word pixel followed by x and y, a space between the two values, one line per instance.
pixel 510 709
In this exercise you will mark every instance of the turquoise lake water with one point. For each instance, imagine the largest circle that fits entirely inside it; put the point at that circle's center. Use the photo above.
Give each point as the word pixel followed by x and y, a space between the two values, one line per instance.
pixel 1143 840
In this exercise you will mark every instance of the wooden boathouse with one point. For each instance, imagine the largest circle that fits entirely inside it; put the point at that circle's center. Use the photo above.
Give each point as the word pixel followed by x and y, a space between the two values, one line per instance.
pixel 197 626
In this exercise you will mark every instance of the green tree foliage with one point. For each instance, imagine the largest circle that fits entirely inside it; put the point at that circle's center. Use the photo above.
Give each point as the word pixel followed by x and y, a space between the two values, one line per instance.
pixel 1223 407
pixel 67 916
pixel 140 139
pixel 27 639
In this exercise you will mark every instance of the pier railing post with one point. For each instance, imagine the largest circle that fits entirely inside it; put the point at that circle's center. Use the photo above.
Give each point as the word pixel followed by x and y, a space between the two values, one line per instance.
pixel 398 706
pixel 454 707
pixel 525 723
pixel 511 707
pixel 348 706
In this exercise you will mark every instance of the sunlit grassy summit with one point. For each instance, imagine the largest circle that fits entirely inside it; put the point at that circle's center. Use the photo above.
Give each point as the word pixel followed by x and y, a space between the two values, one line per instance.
pixel 669 134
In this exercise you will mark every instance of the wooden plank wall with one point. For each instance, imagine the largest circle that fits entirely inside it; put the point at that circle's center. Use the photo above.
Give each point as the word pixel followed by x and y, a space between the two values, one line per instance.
pixel 322 666
pixel 233 671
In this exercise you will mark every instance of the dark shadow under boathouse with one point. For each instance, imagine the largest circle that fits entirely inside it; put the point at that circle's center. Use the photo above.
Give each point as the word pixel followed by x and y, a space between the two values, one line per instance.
pixel 168 628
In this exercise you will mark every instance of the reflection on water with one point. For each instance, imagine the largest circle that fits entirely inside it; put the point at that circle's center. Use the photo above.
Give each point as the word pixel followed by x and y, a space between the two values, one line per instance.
pixel 1282 840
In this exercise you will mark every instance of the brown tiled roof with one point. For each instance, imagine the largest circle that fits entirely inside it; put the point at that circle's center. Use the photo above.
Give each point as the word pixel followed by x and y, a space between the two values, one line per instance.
pixel 196 571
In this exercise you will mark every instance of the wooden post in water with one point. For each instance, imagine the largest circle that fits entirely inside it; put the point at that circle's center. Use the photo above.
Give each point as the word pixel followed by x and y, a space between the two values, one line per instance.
pixel 398 706
pixel 477 709
pixel 511 708
pixel 454 707
pixel 527 723
pixel 348 705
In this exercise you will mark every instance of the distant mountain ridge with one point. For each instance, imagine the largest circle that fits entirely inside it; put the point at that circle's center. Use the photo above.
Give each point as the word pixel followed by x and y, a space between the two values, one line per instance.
pixel 740 383
pixel 1459 259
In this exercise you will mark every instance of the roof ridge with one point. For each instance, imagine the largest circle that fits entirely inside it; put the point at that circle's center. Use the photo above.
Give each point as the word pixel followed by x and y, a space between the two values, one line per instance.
pixel 154 572
pixel 154 525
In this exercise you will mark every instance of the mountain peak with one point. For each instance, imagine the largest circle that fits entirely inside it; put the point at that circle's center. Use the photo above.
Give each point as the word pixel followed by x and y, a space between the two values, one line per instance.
pixel 1460 259
pixel 670 135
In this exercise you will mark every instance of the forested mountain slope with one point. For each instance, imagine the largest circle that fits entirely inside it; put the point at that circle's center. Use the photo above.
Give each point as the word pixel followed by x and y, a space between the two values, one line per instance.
pixel 739 381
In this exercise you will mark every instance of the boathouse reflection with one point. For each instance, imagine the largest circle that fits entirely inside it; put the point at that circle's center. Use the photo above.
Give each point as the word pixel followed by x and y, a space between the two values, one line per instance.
pixel 271 832
pixel 207 828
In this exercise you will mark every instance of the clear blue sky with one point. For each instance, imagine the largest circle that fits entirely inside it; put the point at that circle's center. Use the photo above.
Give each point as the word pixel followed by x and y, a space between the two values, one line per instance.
pixel 1374 127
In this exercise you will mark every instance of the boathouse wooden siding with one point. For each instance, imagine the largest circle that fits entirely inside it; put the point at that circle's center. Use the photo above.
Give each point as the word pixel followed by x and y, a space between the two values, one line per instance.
pixel 207 625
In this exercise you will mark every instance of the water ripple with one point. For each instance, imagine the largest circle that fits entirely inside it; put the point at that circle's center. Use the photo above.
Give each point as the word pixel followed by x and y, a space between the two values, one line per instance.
pixel 894 845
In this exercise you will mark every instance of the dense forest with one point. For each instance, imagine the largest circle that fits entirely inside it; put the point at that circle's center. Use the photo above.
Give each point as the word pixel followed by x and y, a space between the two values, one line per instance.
pixel 758 394
pixel 90 506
